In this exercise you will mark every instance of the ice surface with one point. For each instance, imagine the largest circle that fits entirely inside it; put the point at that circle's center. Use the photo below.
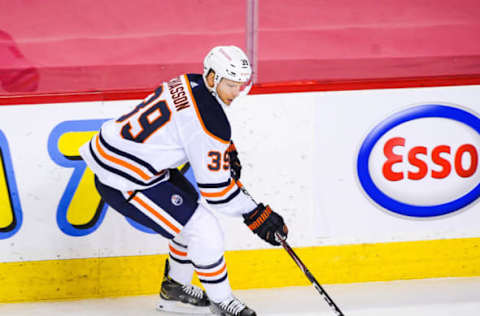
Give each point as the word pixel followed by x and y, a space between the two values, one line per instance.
pixel 435 297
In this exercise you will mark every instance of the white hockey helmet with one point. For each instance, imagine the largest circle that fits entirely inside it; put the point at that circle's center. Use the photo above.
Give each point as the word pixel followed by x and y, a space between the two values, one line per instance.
pixel 228 62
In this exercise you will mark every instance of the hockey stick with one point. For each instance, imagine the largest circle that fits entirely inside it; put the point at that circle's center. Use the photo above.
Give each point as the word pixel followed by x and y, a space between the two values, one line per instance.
pixel 309 275
pixel 299 263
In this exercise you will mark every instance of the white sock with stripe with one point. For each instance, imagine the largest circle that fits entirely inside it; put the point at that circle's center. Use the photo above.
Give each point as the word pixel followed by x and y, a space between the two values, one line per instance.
pixel 181 268
pixel 214 279
pixel 205 250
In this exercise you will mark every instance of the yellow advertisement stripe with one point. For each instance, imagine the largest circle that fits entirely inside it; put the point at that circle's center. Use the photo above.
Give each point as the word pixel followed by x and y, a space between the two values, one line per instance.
pixel 6 209
pixel 267 268
pixel 85 201
pixel 69 143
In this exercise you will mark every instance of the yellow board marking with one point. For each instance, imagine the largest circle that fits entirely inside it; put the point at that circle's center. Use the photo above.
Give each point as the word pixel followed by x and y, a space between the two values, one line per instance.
pixel 69 143
pixel 136 275
pixel 85 201
pixel 6 209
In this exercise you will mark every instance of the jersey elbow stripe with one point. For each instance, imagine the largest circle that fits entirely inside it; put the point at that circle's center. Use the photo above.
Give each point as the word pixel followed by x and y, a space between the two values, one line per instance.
pixel 122 172
pixel 128 156
pixel 155 213
pixel 228 199
pixel 214 185
pixel 119 161
pixel 217 193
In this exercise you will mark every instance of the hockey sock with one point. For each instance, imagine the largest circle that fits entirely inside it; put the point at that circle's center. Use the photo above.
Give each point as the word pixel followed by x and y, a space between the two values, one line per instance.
pixel 214 278
pixel 181 268
pixel 205 250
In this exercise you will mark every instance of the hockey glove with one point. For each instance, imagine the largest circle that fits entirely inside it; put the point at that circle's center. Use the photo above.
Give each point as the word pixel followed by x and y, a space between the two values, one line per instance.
pixel 265 223
pixel 235 166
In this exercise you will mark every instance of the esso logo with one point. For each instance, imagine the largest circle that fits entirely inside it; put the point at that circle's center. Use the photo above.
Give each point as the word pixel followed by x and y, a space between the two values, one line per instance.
pixel 423 161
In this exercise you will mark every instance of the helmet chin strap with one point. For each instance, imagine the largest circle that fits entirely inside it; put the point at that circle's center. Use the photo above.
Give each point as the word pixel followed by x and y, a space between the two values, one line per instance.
pixel 216 81
pixel 213 90
pixel 215 94
pixel 245 91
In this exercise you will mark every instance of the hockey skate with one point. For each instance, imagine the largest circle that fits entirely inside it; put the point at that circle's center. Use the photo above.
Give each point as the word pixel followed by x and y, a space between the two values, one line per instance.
pixel 232 306
pixel 180 298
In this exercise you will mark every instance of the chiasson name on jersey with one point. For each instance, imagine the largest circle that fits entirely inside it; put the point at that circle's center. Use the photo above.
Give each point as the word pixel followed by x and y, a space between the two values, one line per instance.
pixel 178 94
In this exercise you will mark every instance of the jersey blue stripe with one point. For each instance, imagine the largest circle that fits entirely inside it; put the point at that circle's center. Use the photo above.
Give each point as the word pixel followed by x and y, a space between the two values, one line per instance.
pixel 214 185
pixel 228 199
pixel 127 155
pixel 121 173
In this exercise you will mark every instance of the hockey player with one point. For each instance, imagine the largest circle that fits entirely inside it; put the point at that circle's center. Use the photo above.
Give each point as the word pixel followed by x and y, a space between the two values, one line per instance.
pixel 135 159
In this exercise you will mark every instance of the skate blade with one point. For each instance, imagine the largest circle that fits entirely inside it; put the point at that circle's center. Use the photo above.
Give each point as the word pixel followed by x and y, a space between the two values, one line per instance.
pixel 181 308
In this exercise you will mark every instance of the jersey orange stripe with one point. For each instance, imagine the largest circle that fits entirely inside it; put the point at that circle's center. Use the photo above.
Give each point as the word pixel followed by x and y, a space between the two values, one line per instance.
pixel 198 113
pixel 177 252
pixel 160 217
pixel 210 274
pixel 142 174
pixel 219 194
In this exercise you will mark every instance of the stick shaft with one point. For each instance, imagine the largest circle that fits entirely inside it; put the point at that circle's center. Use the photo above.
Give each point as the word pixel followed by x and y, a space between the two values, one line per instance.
pixel 310 277
pixel 300 264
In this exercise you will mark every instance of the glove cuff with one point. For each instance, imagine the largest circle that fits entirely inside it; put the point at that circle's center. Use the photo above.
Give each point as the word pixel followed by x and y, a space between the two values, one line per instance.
pixel 257 217
pixel 231 147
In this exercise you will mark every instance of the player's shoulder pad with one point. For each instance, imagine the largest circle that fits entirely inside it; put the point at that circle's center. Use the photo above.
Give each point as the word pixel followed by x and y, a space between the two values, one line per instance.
pixel 211 113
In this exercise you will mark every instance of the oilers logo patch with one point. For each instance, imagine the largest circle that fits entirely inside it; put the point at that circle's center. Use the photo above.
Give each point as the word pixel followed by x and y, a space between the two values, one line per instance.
pixel 176 199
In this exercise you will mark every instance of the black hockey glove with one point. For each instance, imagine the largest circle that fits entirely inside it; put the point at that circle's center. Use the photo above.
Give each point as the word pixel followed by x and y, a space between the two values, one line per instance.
pixel 235 166
pixel 265 223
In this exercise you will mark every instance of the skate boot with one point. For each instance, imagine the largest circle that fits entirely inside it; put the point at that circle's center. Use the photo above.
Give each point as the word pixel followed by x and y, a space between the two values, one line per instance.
pixel 232 306
pixel 180 298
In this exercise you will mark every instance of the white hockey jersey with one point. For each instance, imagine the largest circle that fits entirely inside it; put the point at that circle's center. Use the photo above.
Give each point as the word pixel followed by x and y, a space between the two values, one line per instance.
pixel 180 122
